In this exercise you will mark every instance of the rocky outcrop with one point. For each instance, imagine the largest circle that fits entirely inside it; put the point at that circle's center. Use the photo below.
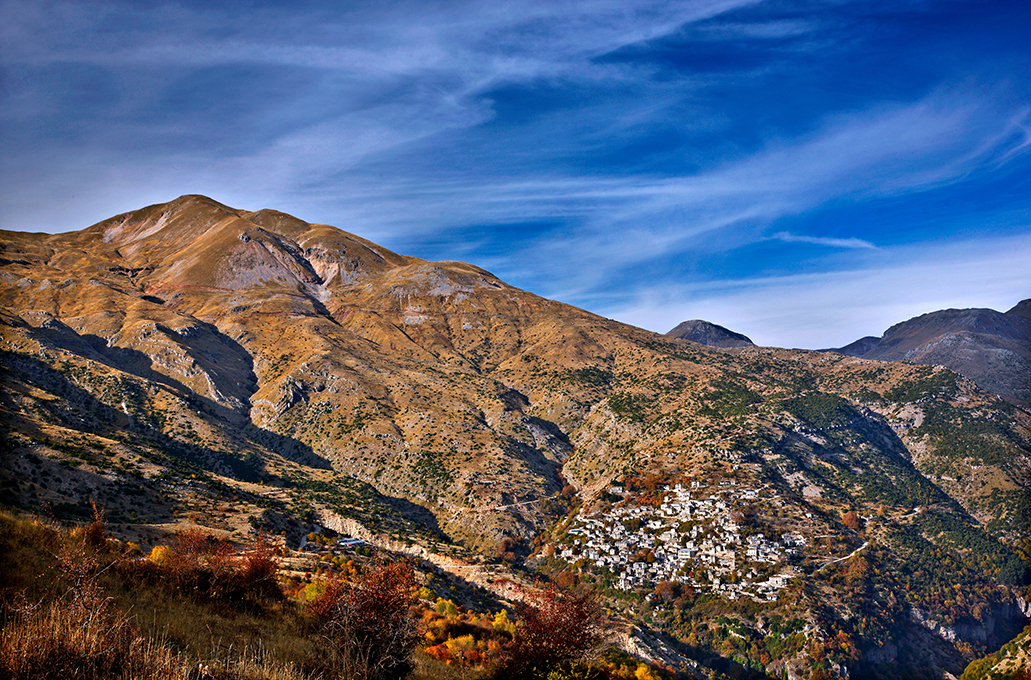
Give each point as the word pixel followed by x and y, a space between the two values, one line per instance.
pixel 997 627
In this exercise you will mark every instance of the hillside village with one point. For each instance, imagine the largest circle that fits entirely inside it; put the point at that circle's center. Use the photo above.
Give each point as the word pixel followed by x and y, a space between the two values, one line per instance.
pixel 690 537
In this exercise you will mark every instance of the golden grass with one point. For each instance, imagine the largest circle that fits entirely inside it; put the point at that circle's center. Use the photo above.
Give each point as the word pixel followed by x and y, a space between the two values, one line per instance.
pixel 69 640
pixel 71 607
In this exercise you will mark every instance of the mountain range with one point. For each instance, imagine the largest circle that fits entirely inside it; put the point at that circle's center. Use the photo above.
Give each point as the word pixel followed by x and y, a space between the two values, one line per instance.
pixel 192 362
pixel 991 348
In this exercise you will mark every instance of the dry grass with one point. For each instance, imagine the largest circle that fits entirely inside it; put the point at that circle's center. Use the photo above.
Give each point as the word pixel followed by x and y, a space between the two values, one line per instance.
pixel 74 604
pixel 68 640
pixel 253 663
pixel 74 631
pixel 208 632
pixel 26 556
pixel 428 668
pixel 71 606
pixel 60 640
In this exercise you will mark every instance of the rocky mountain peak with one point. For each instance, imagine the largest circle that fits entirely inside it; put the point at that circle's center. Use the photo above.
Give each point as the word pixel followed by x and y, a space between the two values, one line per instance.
pixel 709 334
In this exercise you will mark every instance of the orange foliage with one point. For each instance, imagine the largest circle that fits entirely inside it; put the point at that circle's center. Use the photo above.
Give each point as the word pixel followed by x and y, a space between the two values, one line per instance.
pixel 204 566
pixel 439 652
pixel 367 621
pixel 555 626
pixel 856 570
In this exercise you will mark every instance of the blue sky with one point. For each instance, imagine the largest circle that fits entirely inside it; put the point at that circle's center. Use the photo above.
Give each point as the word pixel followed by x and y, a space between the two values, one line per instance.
pixel 802 172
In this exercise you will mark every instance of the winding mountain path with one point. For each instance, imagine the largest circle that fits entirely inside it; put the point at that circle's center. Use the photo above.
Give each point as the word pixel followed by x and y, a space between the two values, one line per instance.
pixel 842 559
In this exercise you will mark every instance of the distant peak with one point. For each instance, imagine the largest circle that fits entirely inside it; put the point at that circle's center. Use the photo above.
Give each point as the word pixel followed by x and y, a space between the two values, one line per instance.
pixel 707 333
pixel 194 199
pixel 991 348
pixel 857 348
pixel 1022 308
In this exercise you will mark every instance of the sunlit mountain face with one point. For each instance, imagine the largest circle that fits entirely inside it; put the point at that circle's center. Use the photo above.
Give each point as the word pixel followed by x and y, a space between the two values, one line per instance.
pixel 194 364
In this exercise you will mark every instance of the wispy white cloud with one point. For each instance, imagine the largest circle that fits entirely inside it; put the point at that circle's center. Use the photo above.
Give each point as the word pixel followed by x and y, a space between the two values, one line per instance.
pixel 390 75
pixel 822 240
pixel 767 30
pixel 516 38
pixel 882 153
pixel 390 120
pixel 831 309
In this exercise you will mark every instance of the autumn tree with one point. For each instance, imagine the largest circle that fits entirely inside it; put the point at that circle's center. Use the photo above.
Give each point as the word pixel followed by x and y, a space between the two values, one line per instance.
pixel 206 567
pixel 367 624
pixel 258 567
pixel 856 571
pixel 851 520
pixel 195 563
pixel 554 627
pixel 665 591
pixel 508 549
pixel 567 579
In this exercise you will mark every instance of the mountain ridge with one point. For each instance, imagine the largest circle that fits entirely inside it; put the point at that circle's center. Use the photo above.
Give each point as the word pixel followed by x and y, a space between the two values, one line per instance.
pixel 991 348
pixel 189 350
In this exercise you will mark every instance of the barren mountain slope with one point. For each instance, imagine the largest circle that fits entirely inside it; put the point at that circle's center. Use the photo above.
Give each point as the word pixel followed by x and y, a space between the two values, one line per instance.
pixel 437 382
pixel 706 333
pixel 172 358
pixel 991 348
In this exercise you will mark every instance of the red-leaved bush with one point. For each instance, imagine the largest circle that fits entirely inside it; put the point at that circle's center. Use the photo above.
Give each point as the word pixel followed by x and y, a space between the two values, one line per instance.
pixel 555 626
pixel 366 622
pixel 205 567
